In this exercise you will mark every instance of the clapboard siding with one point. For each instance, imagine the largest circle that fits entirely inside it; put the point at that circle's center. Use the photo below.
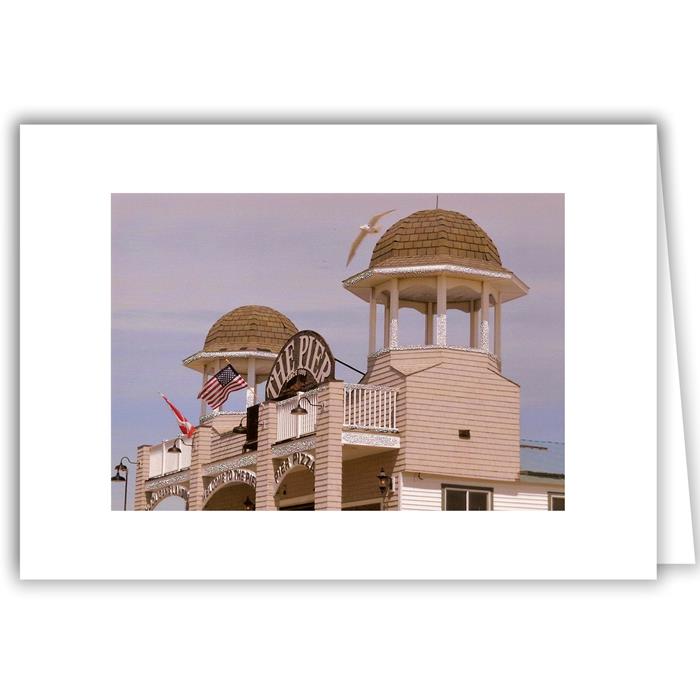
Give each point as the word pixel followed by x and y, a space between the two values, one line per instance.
pixel 442 391
pixel 226 446
pixel 360 481
pixel 426 493
pixel 522 497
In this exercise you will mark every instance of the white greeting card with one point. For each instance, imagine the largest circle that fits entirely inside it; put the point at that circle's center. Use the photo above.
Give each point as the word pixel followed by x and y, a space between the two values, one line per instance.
pixel 124 256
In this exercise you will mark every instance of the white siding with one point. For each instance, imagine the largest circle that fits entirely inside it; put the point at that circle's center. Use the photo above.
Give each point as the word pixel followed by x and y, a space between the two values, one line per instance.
pixel 426 494
pixel 173 462
pixel 420 494
pixel 521 496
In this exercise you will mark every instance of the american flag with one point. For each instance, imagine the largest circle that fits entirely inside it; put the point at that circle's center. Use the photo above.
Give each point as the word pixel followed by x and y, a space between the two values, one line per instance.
pixel 216 390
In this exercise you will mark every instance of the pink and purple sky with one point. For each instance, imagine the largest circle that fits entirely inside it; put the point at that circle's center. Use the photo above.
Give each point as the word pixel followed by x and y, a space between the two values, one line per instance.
pixel 180 261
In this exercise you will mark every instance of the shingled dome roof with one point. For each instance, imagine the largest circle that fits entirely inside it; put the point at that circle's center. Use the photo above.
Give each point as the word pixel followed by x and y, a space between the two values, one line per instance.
pixel 250 328
pixel 436 236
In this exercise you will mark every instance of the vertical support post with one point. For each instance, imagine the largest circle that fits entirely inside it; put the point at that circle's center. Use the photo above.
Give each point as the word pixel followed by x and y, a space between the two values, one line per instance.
pixel 497 326
pixel 442 310
pixel 386 325
pixel 250 397
pixel 394 314
pixel 474 324
pixel 203 404
pixel 429 323
pixel 484 330
pixel 201 455
pixel 328 470
pixel 163 457
pixel 143 467
pixel 265 469
pixel 372 321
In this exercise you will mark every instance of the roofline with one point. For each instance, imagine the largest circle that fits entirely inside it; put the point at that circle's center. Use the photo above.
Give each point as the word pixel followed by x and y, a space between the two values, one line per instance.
pixel 542 475
pixel 418 270
pixel 204 355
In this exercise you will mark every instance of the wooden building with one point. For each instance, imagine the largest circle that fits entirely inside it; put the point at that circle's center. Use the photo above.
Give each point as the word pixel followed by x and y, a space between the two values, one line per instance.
pixel 429 427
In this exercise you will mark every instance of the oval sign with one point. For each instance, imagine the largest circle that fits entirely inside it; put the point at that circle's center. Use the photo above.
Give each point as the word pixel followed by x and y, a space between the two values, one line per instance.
pixel 302 364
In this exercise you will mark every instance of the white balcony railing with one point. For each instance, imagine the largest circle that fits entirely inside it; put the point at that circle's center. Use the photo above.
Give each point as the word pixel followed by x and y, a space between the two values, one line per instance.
pixel 365 407
pixel 369 407
pixel 289 426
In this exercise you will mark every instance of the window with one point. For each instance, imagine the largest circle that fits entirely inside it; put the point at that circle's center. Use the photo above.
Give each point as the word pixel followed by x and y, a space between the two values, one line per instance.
pixel 466 498
pixel 556 501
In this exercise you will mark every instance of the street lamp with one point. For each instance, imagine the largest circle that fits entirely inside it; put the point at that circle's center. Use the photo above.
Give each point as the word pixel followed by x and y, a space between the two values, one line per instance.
pixel 121 467
pixel 174 449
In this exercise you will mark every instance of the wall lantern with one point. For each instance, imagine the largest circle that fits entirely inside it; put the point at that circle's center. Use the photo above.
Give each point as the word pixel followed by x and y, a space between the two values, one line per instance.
pixel 240 429
pixel 174 449
pixel 299 410
pixel 384 482
pixel 248 504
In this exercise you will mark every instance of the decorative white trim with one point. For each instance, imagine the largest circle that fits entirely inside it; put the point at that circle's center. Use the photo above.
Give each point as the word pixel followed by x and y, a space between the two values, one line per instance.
pixel 394 332
pixel 293 462
pixel 372 386
pixel 420 270
pixel 441 328
pixel 158 482
pixel 371 440
pixel 361 428
pixel 462 348
pixel 301 445
pixel 202 355
pixel 245 460
pixel 172 490
pixel 230 476
pixel 214 414
pixel 484 337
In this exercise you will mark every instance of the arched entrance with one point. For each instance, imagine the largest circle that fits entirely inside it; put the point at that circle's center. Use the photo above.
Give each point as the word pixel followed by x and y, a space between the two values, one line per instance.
pixel 233 489
pixel 161 495
pixel 294 480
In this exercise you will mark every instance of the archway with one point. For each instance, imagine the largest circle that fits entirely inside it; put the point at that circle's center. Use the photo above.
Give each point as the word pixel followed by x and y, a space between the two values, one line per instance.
pixel 233 496
pixel 165 493
pixel 294 481
pixel 233 489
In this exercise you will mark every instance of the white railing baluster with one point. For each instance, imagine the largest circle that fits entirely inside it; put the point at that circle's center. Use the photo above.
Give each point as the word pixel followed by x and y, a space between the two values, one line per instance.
pixel 369 407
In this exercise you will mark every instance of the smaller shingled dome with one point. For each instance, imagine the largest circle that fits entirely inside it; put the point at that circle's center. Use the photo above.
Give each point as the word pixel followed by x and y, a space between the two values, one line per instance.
pixel 250 328
pixel 435 236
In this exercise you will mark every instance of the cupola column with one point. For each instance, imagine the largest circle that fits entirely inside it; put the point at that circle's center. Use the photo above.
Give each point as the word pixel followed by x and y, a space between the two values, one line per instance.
pixel 203 410
pixel 250 397
pixel 386 324
pixel 372 321
pixel 394 314
pixel 429 323
pixel 442 310
pixel 484 330
pixel 473 323
pixel 497 325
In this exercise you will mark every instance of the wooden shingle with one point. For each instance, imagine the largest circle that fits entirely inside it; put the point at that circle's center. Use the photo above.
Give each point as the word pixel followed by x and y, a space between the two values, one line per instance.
pixel 250 328
pixel 434 236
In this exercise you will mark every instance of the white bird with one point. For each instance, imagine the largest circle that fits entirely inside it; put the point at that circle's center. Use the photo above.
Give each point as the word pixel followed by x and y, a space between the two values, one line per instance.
pixel 369 227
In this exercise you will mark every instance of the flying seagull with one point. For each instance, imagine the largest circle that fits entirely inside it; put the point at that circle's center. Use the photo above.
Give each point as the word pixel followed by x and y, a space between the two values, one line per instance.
pixel 370 227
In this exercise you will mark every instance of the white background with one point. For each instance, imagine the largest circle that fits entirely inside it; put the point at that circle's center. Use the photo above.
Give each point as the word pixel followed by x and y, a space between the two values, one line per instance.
pixel 507 62
pixel 68 175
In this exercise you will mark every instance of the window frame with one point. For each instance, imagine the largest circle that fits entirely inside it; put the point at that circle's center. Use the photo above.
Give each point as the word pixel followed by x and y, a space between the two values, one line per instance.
pixel 488 490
